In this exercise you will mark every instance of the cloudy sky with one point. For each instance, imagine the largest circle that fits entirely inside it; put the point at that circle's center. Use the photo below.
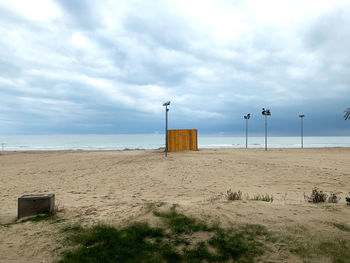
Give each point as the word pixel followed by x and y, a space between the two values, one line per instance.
pixel 106 67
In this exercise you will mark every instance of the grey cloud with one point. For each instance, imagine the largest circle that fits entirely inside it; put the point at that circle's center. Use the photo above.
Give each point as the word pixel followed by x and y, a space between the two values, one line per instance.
pixel 330 30
pixel 9 69
pixel 119 75
pixel 159 30
pixel 82 14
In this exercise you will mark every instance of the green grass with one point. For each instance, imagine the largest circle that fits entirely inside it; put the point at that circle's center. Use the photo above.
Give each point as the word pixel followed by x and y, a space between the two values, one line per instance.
pixel 52 219
pixel 311 248
pixel 341 227
pixel 174 242
pixel 72 229
pixel 265 198
pixel 331 208
pixel 179 223
pixel 108 244
pixel 338 250
pixel 152 206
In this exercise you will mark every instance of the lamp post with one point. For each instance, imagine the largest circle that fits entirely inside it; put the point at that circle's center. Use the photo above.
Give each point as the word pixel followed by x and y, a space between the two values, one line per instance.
pixel 266 113
pixel 246 117
pixel 166 104
pixel 301 116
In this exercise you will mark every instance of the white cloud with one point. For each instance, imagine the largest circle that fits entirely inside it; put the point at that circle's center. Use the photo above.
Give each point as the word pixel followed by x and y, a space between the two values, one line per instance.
pixel 80 41
pixel 36 10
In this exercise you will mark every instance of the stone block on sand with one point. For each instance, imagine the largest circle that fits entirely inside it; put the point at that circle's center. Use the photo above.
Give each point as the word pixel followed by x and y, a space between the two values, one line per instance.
pixel 30 205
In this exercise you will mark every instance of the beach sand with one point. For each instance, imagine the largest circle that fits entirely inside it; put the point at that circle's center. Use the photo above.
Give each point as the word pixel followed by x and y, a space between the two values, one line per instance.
pixel 115 187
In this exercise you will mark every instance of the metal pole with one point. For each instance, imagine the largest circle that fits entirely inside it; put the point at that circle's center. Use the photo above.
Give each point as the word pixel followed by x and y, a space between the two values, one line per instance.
pixel 246 133
pixel 166 131
pixel 302 134
pixel 265 132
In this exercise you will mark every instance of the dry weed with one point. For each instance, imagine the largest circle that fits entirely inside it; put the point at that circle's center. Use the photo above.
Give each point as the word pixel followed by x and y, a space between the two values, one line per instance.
pixel 317 196
pixel 58 208
pixel 216 197
pixel 347 199
pixel 333 198
pixel 232 196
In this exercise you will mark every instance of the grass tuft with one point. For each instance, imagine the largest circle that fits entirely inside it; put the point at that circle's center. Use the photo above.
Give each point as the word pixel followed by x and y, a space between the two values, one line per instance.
pixel 265 198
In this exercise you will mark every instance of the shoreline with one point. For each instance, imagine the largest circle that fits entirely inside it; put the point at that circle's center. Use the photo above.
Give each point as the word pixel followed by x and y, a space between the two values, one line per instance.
pixel 123 142
pixel 162 149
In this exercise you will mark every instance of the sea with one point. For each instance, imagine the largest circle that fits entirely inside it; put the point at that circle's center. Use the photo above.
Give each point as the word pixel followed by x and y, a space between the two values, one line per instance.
pixel 155 141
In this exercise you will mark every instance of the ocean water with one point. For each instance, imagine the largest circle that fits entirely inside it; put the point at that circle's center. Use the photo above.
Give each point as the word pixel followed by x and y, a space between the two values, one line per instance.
pixel 154 141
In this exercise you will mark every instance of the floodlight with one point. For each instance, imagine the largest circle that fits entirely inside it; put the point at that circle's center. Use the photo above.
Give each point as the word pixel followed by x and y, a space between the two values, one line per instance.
pixel 166 104
pixel 266 112
pixel 302 130
pixel 347 114
pixel 246 117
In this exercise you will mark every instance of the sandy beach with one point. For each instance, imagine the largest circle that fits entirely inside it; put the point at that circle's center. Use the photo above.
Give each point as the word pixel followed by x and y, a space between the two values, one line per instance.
pixel 115 187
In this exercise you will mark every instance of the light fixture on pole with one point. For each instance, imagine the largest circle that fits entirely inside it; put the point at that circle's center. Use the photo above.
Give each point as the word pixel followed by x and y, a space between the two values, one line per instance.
pixel 266 113
pixel 166 104
pixel 347 114
pixel 246 117
pixel 301 116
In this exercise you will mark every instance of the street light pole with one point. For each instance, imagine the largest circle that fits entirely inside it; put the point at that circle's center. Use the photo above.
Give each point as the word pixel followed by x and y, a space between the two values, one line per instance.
pixel 266 113
pixel 301 116
pixel 246 117
pixel 265 132
pixel 166 104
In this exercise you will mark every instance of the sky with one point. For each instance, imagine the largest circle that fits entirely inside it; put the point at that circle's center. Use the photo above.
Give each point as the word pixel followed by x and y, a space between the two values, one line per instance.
pixel 106 67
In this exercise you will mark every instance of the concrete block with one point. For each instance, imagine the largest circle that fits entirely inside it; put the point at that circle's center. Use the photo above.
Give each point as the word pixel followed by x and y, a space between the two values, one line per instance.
pixel 30 205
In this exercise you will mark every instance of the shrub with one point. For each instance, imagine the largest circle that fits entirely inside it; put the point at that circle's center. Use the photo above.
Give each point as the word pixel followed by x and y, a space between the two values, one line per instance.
pixel 347 199
pixel 317 196
pixel 232 196
pixel 333 198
